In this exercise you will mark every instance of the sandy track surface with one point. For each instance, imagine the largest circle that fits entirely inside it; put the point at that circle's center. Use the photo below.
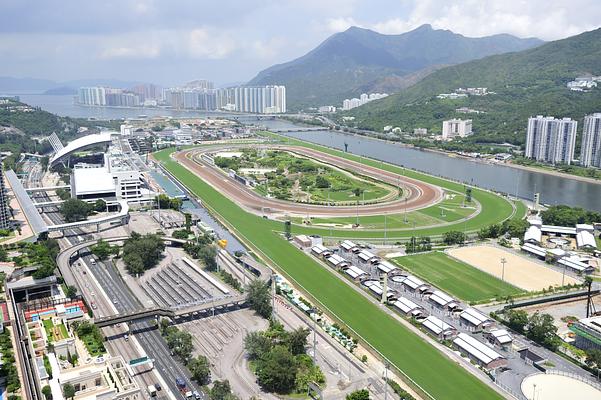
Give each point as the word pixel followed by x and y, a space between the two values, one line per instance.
pixel 417 194
pixel 519 271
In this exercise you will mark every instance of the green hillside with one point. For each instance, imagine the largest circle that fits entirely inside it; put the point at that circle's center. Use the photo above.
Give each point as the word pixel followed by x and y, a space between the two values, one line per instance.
pixel 526 83
pixel 360 60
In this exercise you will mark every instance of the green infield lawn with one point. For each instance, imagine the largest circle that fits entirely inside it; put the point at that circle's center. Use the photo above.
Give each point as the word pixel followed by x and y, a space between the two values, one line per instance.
pixel 429 368
pixel 455 277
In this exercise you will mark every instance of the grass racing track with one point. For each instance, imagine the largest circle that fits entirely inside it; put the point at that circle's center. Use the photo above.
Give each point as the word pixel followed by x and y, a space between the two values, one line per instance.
pixel 455 277
pixel 435 373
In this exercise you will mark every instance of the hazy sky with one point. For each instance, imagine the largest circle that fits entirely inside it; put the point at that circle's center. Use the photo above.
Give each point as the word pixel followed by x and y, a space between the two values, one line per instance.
pixel 173 41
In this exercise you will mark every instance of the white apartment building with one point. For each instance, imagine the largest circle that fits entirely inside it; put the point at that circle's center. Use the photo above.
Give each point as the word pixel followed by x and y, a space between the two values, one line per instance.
pixel 456 128
pixel 551 140
pixel 590 154
pixel 349 104
pixel 92 96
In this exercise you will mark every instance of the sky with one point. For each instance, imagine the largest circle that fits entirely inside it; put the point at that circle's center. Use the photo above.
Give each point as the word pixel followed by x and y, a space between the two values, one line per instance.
pixel 173 41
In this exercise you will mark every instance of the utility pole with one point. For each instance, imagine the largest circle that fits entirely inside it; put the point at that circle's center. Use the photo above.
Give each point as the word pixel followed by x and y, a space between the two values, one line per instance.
pixel 314 337
pixel 503 262
pixel 385 227
pixel 386 381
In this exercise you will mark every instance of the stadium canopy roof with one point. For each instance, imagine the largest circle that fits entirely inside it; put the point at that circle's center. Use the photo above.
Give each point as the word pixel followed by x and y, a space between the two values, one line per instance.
pixel 81 144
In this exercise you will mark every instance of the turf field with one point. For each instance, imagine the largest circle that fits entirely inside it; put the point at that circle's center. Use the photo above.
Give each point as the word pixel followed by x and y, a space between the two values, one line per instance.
pixel 456 278
pixel 434 372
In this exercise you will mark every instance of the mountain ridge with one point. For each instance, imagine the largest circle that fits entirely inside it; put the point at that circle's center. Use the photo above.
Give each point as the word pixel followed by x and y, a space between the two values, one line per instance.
pixel 360 59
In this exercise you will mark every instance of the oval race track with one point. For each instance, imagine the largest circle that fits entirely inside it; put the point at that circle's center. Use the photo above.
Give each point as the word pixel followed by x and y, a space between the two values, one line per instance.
pixel 417 194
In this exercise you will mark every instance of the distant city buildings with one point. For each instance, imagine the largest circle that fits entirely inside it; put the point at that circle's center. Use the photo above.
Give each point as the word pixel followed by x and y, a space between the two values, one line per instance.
pixel 463 93
pixel 196 95
pixel 5 214
pixel 327 109
pixel 590 154
pixel 349 104
pixel 456 128
pixel 551 140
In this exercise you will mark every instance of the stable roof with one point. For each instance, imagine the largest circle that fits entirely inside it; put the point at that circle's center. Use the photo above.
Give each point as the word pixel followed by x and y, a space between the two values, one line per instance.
pixel 441 298
pixel 536 250
pixel 320 250
pixel 474 316
pixel 437 326
pixel 575 264
pixel 347 245
pixel 366 256
pixel 533 234
pixel 336 260
pixel 476 349
pixel 386 267
pixel 354 272
pixel 586 239
pixel 502 336
pixel 406 305
pixel 562 230
pixel 413 282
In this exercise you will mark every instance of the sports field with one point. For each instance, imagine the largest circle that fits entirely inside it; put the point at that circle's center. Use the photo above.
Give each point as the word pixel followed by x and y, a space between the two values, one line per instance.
pixel 456 278
pixel 520 271
pixel 429 368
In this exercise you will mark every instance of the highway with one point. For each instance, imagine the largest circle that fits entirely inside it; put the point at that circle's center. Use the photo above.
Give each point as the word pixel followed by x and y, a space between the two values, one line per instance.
pixel 110 282
pixel 417 194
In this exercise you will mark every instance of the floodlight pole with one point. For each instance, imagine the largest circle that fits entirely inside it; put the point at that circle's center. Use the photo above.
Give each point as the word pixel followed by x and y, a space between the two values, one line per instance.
pixel 314 337
pixel 503 262
pixel 386 381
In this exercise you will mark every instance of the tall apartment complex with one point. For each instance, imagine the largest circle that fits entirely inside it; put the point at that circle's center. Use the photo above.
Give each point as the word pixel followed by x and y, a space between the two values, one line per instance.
pixel 551 140
pixel 349 104
pixel 101 96
pixel 5 214
pixel 456 128
pixel 590 153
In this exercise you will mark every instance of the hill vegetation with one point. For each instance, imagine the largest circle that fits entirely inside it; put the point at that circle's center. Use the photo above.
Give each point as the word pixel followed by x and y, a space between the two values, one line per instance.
pixel 530 82
pixel 360 60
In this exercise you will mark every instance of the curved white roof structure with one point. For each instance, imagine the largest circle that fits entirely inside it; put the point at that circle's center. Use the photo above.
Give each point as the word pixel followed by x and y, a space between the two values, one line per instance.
pixel 80 144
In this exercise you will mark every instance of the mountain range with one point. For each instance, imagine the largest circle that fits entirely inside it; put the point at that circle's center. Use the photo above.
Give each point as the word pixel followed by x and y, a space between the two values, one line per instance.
pixel 10 84
pixel 526 83
pixel 360 60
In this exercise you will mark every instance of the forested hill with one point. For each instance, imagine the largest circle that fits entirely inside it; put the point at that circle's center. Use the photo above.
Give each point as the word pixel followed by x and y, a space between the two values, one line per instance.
pixel 526 83
pixel 360 60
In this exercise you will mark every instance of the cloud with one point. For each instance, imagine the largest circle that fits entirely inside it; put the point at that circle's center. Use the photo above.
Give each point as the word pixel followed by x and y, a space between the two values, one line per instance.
pixel 340 24
pixel 202 44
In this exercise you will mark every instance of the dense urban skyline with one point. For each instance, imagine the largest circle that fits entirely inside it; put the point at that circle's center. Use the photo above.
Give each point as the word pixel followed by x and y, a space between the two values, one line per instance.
pixel 231 41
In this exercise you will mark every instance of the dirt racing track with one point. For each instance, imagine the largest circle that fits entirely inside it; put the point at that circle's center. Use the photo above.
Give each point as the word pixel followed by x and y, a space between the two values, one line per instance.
pixel 416 194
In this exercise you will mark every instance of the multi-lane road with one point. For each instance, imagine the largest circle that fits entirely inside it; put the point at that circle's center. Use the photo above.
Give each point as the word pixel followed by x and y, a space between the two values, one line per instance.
pixel 111 295
pixel 416 194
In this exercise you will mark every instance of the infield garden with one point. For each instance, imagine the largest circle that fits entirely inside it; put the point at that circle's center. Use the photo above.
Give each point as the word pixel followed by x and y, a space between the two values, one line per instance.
pixel 432 371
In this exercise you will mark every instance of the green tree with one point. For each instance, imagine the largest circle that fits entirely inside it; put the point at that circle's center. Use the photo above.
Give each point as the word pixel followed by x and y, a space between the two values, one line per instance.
pixel 68 391
pixel 593 358
pixel 208 255
pixel 142 252
pixel 47 392
pixel 70 291
pixel 256 345
pixel 200 370
pixel 276 371
pixel 322 182
pixel 453 237
pixel 221 390
pixel 362 394
pixel 297 340
pixel 517 320
pixel 102 249
pixel 75 210
pixel 541 329
pixel 259 297
pixel 180 343
pixel 100 205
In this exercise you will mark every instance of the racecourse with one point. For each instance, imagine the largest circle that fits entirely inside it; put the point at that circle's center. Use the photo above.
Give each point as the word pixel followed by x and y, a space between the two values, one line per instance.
pixel 456 278
pixel 434 372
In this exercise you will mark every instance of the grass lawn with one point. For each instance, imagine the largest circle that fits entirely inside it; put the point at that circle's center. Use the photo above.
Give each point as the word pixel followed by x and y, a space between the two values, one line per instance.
pixel 448 210
pixel 428 367
pixel 457 278
pixel 55 334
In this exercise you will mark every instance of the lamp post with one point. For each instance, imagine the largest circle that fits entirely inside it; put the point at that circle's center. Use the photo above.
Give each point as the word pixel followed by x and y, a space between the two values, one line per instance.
pixel 503 262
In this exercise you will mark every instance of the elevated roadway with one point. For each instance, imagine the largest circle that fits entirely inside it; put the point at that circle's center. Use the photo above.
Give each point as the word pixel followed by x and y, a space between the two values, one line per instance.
pixel 416 194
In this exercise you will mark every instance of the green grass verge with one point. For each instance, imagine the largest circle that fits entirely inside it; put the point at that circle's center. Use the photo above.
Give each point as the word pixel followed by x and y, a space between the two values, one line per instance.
pixel 456 278
pixel 433 371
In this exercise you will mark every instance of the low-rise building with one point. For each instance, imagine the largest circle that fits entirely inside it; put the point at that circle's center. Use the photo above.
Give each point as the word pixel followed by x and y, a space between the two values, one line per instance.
pixel 588 333
pixel 456 128
pixel 479 352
